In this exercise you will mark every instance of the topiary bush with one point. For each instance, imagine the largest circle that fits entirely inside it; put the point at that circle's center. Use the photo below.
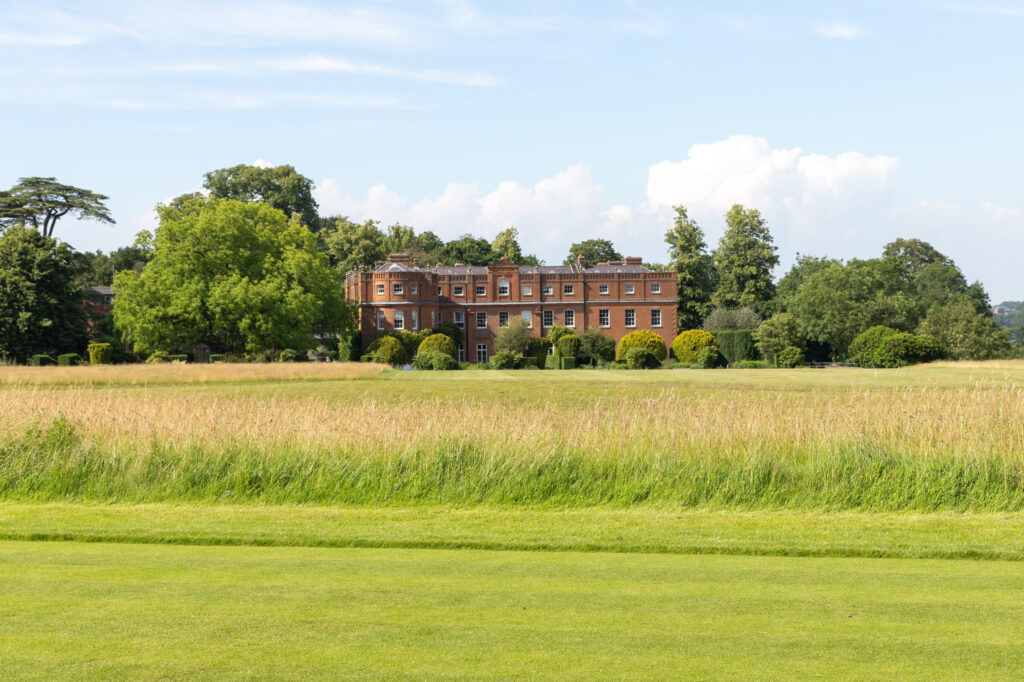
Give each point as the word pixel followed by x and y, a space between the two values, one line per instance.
pixel 688 345
pixel 902 349
pixel 288 355
pixel 439 343
pixel 387 350
pixel 556 332
pixel 434 360
pixel 640 358
pixel 504 359
pixel 566 363
pixel 711 358
pixel 100 353
pixel 790 357
pixel 736 345
pixel 645 339
pixel 862 349
pixel 452 331
pixel 567 346
pixel 538 349
pixel 69 359
pixel 411 340
pixel 41 360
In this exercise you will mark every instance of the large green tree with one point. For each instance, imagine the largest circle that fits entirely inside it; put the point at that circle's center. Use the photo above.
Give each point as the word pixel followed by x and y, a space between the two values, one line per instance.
pixel 744 260
pixel 594 250
pixel 694 268
pixel 40 298
pixel 804 267
pixel 351 246
pixel 468 250
pixel 41 202
pixel 913 254
pixel 966 333
pixel 506 245
pixel 282 187
pixel 237 276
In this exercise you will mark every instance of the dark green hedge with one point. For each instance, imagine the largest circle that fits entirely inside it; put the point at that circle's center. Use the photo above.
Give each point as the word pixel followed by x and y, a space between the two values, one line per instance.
pixel 736 345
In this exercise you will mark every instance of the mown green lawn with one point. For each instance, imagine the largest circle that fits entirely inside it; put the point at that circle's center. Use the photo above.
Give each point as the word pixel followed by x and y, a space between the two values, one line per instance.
pixel 107 611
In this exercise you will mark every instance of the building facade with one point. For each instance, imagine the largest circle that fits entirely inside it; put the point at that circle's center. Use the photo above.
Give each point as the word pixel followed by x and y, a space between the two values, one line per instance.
pixel 617 297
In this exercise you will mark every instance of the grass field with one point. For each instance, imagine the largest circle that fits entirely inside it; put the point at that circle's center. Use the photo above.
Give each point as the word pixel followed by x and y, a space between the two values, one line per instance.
pixel 349 522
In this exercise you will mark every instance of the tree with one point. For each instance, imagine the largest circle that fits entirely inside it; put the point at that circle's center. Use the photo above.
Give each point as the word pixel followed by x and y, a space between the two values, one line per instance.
pixel 837 303
pixel 744 261
pixel 778 332
pixel 236 276
pixel 595 348
pixel 804 267
pixel 516 336
pixel 281 187
pixel 351 246
pixel 694 268
pixel 506 245
pixel 723 319
pixel 593 250
pixel 399 239
pixel 41 202
pixel 912 255
pixel 966 333
pixel 468 250
pixel 40 300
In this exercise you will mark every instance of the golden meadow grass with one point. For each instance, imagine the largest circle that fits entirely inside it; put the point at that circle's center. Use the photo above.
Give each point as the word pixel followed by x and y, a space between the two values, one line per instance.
pixel 180 373
pixel 889 447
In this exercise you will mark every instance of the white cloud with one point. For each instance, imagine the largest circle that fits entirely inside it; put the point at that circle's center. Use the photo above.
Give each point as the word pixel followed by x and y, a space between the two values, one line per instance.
pixel 838 30
pixel 215 101
pixel 261 163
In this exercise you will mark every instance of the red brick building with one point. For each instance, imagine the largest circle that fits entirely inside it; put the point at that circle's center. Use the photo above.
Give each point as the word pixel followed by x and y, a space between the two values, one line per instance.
pixel 617 297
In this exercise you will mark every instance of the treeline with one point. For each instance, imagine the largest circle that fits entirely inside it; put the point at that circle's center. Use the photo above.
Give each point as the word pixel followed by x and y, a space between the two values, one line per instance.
pixel 249 266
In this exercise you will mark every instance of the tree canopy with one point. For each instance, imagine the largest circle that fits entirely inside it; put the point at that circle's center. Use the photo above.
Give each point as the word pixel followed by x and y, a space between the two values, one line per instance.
pixel 594 250
pixel 237 276
pixel 281 187
pixel 41 202
pixel 744 260
pixel 40 299
pixel 694 268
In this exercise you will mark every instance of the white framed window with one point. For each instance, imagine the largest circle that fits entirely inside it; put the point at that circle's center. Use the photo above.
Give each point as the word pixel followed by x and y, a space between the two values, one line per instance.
pixel 481 320
pixel 481 290
pixel 439 291
pixel 380 319
pixel 527 290
pixel 462 353
pixel 481 352
pixel 570 318
pixel 459 319
pixel 568 290
pixel 630 317
pixel 399 319
pixel 502 287
pixel 459 291
pixel 528 319
pixel 503 318
pixel 656 317
pixel 604 318
pixel 415 320
pixel 629 289
pixel 603 290
pixel 396 289
pixel 655 288
pixel 549 290
pixel 380 289
pixel 547 318
pixel 415 288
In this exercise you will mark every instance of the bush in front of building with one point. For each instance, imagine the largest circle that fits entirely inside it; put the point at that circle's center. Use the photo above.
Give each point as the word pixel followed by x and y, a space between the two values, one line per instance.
pixel 349 345
pixel 641 338
pixel 100 353
pixel 410 340
pixel 688 345
pixel 595 348
pixel 711 358
pixel 736 345
pixel 439 343
pixel 451 330
pixel 538 349
pixel 556 332
pixel 434 360
pixel 504 359
pixel 790 357
pixel 640 358
pixel 514 336
pixel 902 349
pixel 387 350
pixel 567 346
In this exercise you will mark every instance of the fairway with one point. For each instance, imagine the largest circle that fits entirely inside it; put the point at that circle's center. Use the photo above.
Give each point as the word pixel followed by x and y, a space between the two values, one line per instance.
pixel 99 611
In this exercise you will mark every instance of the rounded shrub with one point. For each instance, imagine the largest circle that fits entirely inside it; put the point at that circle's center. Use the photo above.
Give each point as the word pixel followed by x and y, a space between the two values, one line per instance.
pixel 688 345
pixel 434 359
pixel 901 349
pixel 387 350
pixel 790 357
pixel 639 358
pixel 439 343
pixel 567 345
pixel 288 355
pixel 504 359
pixel 158 356
pixel 645 339
pixel 69 359
pixel 862 349
pixel 711 358
pixel 556 332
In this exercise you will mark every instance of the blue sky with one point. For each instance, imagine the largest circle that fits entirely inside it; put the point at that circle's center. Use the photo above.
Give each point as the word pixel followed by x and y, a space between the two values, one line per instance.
pixel 846 124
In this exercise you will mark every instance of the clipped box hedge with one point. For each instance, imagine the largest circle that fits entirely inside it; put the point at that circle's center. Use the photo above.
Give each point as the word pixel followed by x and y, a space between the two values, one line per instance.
pixel 69 359
pixel 41 360
pixel 216 357
pixel 566 363
pixel 177 358
pixel 737 345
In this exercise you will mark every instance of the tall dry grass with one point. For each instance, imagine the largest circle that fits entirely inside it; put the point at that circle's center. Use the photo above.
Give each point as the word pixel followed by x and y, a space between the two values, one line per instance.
pixel 180 373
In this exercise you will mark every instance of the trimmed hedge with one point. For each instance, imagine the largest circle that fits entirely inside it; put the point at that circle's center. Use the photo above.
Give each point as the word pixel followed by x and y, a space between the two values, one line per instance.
pixel 179 357
pixel 69 359
pixel 538 350
pixel 434 360
pixel 439 343
pixel 862 349
pixel 557 331
pixel 528 362
pixel 41 360
pixel 567 346
pixel 688 345
pixel 216 357
pixel 566 363
pixel 736 345
pixel 100 353
pixel 711 358
pixel 901 349
pixel 386 349
pixel 641 338
pixel 349 346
